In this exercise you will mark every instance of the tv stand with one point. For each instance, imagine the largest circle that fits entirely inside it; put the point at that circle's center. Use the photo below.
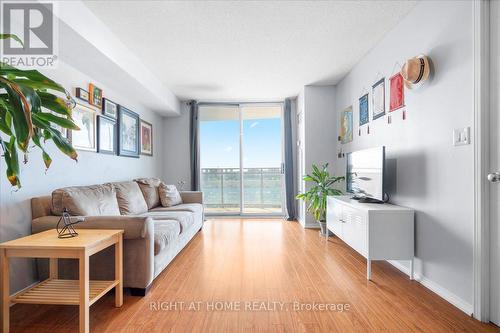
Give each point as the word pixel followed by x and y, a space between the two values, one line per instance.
pixel 377 232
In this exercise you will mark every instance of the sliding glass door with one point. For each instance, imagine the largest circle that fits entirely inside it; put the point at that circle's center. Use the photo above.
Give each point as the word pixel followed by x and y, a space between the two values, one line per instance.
pixel 241 169
pixel 220 175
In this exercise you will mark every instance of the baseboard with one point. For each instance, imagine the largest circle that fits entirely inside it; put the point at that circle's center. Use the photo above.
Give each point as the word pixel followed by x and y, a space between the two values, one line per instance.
pixel 436 288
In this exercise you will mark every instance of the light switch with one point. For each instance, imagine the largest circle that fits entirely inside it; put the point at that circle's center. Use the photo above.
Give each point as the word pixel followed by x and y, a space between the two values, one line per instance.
pixel 461 136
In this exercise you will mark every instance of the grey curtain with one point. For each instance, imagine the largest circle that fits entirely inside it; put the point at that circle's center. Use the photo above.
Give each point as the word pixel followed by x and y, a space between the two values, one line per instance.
pixel 289 162
pixel 194 146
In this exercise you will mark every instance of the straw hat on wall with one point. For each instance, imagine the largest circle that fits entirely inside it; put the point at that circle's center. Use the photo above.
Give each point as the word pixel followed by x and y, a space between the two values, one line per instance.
pixel 415 71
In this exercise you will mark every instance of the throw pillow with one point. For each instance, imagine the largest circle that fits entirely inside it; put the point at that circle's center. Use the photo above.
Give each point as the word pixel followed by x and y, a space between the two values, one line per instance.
pixel 149 188
pixel 169 195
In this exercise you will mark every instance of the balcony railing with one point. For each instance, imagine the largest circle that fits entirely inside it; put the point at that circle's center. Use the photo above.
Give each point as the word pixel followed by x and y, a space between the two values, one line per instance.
pixel 262 189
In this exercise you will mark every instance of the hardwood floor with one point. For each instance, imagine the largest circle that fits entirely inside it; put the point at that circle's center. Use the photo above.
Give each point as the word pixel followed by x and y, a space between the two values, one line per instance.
pixel 264 261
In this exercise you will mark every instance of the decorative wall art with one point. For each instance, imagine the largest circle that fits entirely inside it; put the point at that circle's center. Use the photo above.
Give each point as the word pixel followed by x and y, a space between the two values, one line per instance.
pixel 95 96
pixel 378 99
pixel 106 135
pixel 82 94
pixel 363 110
pixel 128 132
pixel 397 98
pixel 109 108
pixel 85 118
pixel 346 125
pixel 146 138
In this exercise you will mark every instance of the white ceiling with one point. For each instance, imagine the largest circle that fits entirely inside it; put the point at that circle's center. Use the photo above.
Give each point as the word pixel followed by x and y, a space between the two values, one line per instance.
pixel 249 50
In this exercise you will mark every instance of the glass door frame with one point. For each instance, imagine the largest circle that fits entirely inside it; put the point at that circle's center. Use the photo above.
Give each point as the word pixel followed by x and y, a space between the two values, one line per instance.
pixel 240 106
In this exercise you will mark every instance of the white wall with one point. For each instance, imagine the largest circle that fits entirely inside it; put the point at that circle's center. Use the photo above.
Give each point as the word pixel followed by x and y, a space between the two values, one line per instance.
pixel 92 168
pixel 176 145
pixel 433 177
pixel 319 135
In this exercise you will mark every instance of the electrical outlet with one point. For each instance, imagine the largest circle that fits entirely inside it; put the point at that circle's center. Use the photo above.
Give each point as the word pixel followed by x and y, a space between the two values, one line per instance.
pixel 461 136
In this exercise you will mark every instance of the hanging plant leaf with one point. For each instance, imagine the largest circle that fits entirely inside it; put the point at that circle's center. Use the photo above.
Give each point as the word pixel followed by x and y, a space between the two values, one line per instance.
pixel 63 122
pixel 24 96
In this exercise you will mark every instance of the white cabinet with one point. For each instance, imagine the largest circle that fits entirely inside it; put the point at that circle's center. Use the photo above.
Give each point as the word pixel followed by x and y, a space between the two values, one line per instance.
pixel 376 231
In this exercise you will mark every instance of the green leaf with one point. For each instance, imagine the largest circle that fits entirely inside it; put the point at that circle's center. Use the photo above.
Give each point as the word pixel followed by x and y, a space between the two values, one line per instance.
pixel 5 119
pixel 14 37
pixel 40 85
pixel 20 110
pixel 63 144
pixel 54 103
pixel 46 158
pixel 63 122
pixel 12 161
pixel 32 78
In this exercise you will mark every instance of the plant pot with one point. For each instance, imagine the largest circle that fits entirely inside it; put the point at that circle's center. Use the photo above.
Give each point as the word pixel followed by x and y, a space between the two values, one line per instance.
pixel 323 229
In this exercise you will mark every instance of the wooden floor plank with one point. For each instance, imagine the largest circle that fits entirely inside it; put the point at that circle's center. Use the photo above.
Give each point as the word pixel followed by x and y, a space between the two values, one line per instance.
pixel 259 260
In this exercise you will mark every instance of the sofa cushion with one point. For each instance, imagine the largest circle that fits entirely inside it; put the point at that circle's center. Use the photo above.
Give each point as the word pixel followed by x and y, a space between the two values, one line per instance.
pixel 166 231
pixel 191 207
pixel 130 198
pixel 169 195
pixel 185 219
pixel 149 189
pixel 93 200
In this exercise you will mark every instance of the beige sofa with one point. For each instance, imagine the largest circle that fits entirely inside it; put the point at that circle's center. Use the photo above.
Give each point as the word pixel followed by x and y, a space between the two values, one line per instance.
pixel 153 235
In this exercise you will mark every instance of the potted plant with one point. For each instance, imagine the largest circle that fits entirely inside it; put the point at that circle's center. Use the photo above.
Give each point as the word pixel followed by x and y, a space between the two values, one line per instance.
pixel 33 109
pixel 316 197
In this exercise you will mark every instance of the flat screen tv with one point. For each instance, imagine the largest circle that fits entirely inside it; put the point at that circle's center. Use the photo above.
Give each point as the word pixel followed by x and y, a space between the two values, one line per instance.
pixel 365 174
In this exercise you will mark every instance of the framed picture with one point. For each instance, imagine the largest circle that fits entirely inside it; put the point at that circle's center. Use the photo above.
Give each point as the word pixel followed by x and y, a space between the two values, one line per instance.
pixel 146 138
pixel 82 94
pixel 346 125
pixel 396 89
pixel 378 99
pixel 95 96
pixel 363 110
pixel 106 135
pixel 85 118
pixel 109 108
pixel 128 132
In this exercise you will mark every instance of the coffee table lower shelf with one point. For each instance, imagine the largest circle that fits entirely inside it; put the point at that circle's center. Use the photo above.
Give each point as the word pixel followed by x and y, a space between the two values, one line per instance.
pixel 62 292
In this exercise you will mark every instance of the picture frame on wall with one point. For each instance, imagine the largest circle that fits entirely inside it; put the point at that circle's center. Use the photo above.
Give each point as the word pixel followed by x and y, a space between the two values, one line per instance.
pixel 128 132
pixel 106 135
pixel 396 90
pixel 378 99
pixel 95 96
pixel 146 138
pixel 82 94
pixel 85 118
pixel 109 108
pixel 364 117
pixel 346 123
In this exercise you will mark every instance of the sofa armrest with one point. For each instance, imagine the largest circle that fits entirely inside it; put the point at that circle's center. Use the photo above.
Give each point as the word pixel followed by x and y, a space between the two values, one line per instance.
pixel 134 227
pixel 192 197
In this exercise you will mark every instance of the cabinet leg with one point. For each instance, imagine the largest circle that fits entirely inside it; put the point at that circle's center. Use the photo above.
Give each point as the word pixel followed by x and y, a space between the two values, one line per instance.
pixel 411 270
pixel 368 269
pixel 84 292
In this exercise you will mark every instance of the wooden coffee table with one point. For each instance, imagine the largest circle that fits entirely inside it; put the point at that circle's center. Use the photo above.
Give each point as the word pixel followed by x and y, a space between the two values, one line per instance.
pixel 53 290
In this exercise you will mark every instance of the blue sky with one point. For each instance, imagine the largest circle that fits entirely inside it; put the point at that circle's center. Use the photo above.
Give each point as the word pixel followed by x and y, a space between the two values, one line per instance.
pixel 219 143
